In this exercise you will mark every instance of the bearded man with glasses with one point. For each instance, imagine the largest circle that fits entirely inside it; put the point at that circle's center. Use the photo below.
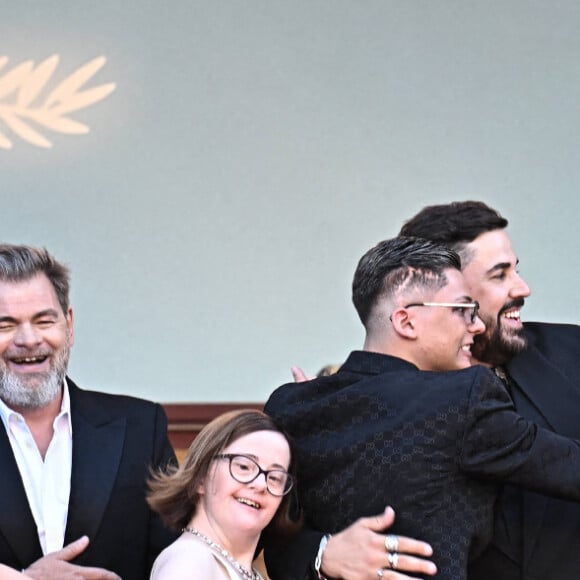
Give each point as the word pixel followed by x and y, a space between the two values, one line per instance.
pixel 395 426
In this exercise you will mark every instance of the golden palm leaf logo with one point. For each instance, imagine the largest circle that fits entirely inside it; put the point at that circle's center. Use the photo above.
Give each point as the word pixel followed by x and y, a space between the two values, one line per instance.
pixel 25 111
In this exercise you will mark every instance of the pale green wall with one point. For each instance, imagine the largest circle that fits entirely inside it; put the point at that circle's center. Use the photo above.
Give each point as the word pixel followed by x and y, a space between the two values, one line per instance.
pixel 253 150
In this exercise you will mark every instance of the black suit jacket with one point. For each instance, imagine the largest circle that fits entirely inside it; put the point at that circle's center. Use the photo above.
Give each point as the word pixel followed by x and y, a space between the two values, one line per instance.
pixel 536 537
pixel 435 446
pixel 115 441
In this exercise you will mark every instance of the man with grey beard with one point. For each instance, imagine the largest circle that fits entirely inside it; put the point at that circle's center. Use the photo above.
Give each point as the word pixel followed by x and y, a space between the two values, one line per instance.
pixel 74 463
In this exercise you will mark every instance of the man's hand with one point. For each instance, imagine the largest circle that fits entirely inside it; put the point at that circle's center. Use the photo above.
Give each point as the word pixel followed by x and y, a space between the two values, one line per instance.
pixel 57 566
pixel 299 375
pixel 358 552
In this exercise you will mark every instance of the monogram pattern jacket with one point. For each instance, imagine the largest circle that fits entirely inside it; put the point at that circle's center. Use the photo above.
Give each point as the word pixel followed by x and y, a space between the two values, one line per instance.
pixel 435 446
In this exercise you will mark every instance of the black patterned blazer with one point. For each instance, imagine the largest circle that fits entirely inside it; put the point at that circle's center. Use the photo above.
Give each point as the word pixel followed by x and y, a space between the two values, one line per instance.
pixel 115 441
pixel 435 446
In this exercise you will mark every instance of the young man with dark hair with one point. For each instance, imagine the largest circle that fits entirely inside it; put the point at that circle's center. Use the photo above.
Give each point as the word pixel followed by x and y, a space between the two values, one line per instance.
pixel 409 421
pixel 535 536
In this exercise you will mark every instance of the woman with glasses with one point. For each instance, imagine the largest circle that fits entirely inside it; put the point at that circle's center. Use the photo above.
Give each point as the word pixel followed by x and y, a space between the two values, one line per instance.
pixel 235 480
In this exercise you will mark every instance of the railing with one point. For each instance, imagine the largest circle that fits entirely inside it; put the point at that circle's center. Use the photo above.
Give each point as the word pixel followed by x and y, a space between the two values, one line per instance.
pixel 186 420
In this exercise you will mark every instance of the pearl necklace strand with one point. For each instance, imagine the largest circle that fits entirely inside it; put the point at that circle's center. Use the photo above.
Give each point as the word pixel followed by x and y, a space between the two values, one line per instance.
pixel 242 570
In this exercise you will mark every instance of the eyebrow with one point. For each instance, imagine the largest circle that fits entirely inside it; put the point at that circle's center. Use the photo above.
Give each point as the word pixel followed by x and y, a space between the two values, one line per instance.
pixel 464 298
pixel 502 266
pixel 255 458
pixel 47 312
pixel 41 314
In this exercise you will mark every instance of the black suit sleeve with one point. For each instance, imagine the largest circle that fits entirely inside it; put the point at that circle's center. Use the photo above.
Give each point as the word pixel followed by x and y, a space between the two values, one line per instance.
pixel 294 559
pixel 500 445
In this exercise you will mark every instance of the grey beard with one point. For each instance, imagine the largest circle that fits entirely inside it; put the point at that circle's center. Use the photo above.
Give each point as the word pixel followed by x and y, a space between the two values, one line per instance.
pixel 16 391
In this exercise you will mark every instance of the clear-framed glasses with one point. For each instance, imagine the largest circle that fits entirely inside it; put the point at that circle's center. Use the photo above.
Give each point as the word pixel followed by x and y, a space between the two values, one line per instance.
pixel 469 310
pixel 245 470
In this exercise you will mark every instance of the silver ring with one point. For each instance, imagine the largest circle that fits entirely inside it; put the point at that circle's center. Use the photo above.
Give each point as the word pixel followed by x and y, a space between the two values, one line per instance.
pixel 393 560
pixel 391 543
pixel 380 573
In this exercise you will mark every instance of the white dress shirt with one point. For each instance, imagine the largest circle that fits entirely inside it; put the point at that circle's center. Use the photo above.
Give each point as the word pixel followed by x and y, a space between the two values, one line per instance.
pixel 47 483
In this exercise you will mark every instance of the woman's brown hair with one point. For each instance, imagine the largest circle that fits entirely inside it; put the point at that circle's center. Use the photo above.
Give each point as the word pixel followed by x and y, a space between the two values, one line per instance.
pixel 173 493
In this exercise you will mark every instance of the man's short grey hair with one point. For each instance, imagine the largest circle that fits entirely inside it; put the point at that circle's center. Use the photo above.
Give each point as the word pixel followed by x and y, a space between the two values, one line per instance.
pixel 19 263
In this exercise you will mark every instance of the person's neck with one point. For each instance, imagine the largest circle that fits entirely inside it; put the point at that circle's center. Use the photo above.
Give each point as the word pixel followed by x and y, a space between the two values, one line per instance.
pixel 389 348
pixel 240 544
pixel 40 422
pixel 475 361
pixel 378 345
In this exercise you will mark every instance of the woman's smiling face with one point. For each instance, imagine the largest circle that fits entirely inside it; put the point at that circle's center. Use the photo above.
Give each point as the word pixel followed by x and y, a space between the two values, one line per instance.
pixel 230 505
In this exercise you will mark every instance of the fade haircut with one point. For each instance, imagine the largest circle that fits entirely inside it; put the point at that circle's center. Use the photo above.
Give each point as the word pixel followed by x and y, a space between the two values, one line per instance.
pixel 455 224
pixel 19 263
pixel 399 263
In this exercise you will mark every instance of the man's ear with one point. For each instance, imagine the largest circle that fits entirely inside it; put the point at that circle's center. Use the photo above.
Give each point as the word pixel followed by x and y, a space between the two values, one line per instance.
pixel 403 323
pixel 70 321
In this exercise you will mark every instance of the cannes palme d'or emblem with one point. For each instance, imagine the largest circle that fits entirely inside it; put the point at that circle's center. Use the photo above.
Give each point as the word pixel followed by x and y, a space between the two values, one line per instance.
pixel 30 108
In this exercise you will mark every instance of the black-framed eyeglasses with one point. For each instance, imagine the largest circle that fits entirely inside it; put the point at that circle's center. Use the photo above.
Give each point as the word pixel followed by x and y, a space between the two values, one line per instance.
pixel 244 469
pixel 470 310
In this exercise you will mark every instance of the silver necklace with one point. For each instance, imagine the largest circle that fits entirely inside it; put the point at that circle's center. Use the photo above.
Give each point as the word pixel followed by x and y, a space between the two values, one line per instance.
pixel 242 570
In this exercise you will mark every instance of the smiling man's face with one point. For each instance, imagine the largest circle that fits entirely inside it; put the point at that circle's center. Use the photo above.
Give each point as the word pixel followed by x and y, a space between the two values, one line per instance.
pixel 491 274
pixel 35 340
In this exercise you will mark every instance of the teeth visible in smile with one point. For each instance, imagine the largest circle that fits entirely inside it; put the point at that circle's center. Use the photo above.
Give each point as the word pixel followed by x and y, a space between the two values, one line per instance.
pixel 514 314
pixel 29 359
pixel 466 347
pixel 249 502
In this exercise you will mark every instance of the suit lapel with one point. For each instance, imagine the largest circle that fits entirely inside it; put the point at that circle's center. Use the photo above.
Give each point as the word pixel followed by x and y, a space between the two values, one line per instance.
pixel 559 414
pixel 16 521
pixel 531 368
pixel 97 448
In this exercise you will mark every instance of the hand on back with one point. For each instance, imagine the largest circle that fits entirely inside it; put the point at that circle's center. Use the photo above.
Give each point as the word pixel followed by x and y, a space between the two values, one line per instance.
pixel 359 552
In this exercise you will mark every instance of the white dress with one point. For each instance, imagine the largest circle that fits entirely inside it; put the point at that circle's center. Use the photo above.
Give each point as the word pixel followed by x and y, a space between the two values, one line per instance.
pixel 189 558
